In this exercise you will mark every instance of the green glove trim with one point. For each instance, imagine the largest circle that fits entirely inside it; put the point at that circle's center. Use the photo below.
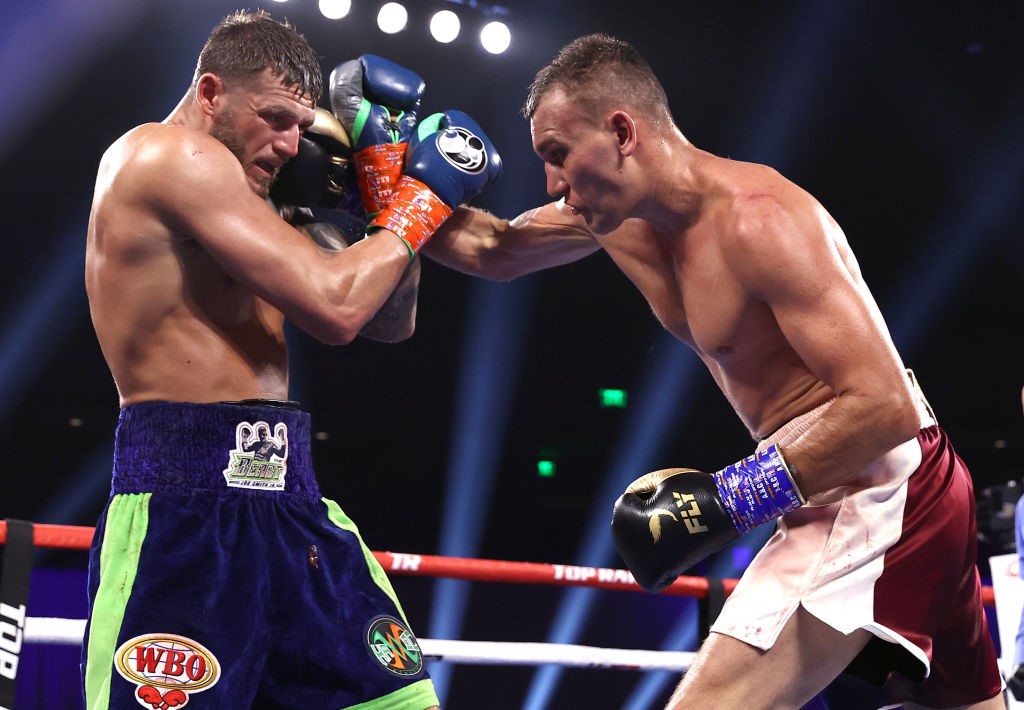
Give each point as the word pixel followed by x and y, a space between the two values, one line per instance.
pixel 395 135
pixel 372 228
pixel 360 120
pixel 430 124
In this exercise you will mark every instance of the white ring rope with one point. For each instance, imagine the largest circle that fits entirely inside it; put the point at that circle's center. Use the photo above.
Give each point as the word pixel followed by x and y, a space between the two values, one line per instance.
pixel 51 630
pixel 562 654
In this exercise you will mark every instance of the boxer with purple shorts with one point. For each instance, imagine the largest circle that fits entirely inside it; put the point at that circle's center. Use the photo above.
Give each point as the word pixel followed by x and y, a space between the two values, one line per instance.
pixel 219 576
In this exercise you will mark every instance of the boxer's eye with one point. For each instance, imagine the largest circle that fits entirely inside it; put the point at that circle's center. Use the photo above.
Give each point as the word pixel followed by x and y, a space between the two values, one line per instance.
pixel 279 121
pixel 556 157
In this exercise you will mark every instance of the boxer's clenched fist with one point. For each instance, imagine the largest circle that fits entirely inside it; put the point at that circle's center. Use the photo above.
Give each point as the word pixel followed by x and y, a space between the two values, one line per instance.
pixel 451 160
pixel 669 520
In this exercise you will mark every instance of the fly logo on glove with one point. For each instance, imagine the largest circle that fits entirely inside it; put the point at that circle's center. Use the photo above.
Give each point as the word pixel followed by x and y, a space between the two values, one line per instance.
pixel 690 515
pixel 714 509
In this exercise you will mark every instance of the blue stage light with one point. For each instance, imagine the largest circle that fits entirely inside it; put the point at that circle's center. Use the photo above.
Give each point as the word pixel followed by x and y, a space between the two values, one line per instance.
pixel 489 368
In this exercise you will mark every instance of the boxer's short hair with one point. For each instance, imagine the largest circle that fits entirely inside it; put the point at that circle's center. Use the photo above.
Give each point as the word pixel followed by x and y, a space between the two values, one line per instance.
pixel 245 43
pixel 598 70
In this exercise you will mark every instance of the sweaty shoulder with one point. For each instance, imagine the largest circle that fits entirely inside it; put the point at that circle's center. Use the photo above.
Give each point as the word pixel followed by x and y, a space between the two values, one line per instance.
pixel 168 152
pixel 171 169
pixel 761 211
pixel 774 233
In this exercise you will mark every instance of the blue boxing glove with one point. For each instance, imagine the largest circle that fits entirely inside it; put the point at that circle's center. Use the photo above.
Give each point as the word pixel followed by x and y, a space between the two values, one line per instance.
pixel 669 520
pixel 452 139
pixel 376 101
pixel 450 161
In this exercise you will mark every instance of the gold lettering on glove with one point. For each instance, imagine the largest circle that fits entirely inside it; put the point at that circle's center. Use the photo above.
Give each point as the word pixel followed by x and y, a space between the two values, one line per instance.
pixel 689 515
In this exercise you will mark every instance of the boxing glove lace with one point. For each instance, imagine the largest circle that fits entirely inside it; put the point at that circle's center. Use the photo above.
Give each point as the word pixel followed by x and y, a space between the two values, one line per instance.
pixel 376 101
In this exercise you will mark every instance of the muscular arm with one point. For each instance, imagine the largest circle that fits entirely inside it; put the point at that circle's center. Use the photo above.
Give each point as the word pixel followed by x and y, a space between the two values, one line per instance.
pixel 396 319
pixel 793 257
pixel 199 189
pixel 478 243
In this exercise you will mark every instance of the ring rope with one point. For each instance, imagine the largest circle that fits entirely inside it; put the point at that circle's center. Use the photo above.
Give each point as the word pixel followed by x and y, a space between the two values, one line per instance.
pixel 68 632
pixel 80 537
pixel 533 573
pixel 477 570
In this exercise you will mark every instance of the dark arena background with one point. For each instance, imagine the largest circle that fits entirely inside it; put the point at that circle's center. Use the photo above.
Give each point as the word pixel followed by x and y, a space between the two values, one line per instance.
pixel 505 428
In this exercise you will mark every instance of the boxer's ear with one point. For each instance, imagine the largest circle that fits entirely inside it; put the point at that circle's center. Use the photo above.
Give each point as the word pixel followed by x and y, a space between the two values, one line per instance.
pixel 625 131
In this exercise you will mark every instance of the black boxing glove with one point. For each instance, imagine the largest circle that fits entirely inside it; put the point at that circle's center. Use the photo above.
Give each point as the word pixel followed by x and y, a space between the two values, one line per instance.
pixel 324 234
pixel 321 173
pixel 1015 683
pixel 669 520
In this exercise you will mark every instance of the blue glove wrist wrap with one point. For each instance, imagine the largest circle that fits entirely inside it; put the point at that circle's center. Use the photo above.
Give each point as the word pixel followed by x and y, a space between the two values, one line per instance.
pixel 758 489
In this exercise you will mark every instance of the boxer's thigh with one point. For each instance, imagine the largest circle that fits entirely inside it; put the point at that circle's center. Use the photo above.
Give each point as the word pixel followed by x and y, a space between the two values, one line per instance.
pixel 805 658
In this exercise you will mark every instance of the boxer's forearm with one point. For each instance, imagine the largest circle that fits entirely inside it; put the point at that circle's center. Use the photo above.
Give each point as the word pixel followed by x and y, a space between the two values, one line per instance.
pixel 477 242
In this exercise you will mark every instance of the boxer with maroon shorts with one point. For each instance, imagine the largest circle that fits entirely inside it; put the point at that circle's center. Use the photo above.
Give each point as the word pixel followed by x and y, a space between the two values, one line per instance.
pixel 751 272
pixel 865 558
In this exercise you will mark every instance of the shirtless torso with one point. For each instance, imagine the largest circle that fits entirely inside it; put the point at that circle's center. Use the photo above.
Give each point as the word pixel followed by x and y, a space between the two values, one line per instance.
pixel 172 324
pixel 185 257
pixel 758 279
pixel 697 290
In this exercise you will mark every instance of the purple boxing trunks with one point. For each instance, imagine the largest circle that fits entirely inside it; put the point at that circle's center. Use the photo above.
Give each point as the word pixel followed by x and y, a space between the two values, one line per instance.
pixel 219 577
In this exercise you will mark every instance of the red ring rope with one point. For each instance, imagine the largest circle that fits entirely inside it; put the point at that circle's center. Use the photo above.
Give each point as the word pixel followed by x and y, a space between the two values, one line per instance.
pixel 79 537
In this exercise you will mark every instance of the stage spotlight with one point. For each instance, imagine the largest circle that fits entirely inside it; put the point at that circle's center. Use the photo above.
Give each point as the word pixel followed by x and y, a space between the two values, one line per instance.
pixel 335 9
pixel 444 26
pixel 495 37
pixel 392 18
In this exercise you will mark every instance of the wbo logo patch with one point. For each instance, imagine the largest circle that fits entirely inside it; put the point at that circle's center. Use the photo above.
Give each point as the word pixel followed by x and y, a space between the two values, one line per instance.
pixel 166 669
pixel 393 645
pixel 259 459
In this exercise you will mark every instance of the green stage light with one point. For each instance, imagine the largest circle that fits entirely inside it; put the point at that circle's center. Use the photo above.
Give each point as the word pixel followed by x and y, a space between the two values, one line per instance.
pixel 612 398
pixel 546 469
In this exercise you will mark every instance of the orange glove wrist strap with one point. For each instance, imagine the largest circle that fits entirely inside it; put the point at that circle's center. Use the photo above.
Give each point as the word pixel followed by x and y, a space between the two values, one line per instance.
pixel 413 212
